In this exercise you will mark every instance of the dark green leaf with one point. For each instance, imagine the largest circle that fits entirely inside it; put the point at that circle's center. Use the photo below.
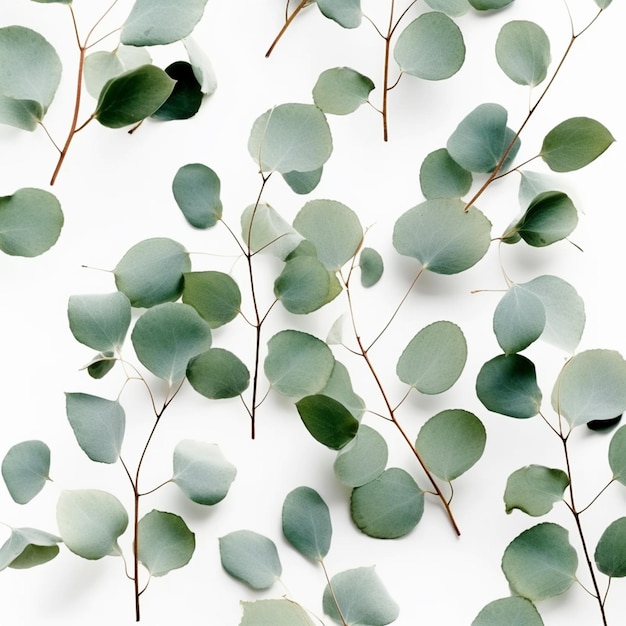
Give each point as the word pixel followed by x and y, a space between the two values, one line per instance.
pixel 215 295
pixel 218 374
pixel 327 420
pixel 186 97
pixel 489 5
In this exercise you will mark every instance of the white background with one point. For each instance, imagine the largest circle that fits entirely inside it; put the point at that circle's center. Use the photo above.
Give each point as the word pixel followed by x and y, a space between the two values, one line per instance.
pixel 115 191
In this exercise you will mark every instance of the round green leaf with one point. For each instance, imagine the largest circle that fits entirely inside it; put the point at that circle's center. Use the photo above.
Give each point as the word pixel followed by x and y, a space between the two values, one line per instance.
pixel 574 143
pixel 302 286
pixel 540 562
pixel 512 611
pixel 434 359
pixel 167 336
pixel 25 469
pixel 347 13
pixel 303 182
pixel 617 455
pixel 489 5
pixel 523 52
pixel 282 612
pixel 262 228
pixel 451 442
pixel 298 364
pixel 196 189
pixel 154 22
pixel 101 365
pixel 98 425
pixel 202 472
pixel 362 598
pixel 507 384
pixel 481 139
pixel 591 386
pixel 306 523
pixel 251 558
pixel 290 137
pixel 100 321
pixel 442 236
pixel 430 47
pixel 372 267
pixel 603 4
pixel 610 554
pixel 164 542
pixel 328 421
pixel 218 374
pixel 339 387
pixel 442 177
pixel 214 295
pixel 151 272
pixel 186 97
pixel 341 90
pixel 534 489
pixel 90 522
pixel 363 459
pixel 99 68
pixel 28 547
pixel 519 319
pixel 30 222
pixel 453 8
pixel 389 506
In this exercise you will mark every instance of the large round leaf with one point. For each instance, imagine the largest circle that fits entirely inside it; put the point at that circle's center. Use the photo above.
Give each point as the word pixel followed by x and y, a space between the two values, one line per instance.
pixel 512 611
pixel 218 374
pixel 341 90
pixel 215 295
pixel 363 459
pixel 28 547
pixel 442 177
pixel 327 420
pixel 610 554
pixel 523 52
pixel 25 469
pixel 196 189
pixel 534 489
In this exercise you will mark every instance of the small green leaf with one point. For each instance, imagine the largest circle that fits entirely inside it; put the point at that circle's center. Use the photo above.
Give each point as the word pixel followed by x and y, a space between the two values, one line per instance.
pixel 389 506
pixel 90 522
pixel 341 90
pixel 451 442
pixel 218 374
pixel 363 459
pixel 540 562
pixel 28 547
pixel 512 611
pixel 591 386
pixel 202 472
pixel 98 425
pixel 574 143
pixel 430 47
pixel 215 295
pixel 101 365
pixel 167 336
pixel 603 4
pixel 617 455
pixel 523 52
pixel 100 321
pixel 282 612
pixel 25 469
pixel 202 66
pixel 306 523
pixel 186 97
pixel 534 489
pixel 489 5
pixel 151 272
pixel 196 189
pixel 164 542
pixel 30 222
pixel 262 228
pixel 251 558
pixel 372 267
pixel 362 598
pixel 442 177
pixel 347 13
pixel 303 182
pixel 453 8
pixel 303 284
pixel 610 554
pixel 507 384
pixel 328 421
pixel 155 22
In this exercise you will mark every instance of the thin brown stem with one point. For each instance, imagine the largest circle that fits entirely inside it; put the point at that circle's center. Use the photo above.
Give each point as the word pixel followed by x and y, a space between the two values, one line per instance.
pixel 286 25
pixel 386 72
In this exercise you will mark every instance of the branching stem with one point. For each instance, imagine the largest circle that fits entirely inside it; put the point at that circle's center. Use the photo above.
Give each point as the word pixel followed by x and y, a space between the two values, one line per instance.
pixel 288 21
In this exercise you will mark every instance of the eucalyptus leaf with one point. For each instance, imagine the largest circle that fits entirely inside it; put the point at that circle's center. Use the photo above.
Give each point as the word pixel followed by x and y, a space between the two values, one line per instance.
pixel 30 222
pixel 617 455
pixel 283 612
pixel 523 52
pixel 512 611
pixel 610 553
pixel 202 472
pixel 507 384
pixel 101 365
pixel 167 336
pixel 302 286
pixel 186 97
pixel 303 182
pixel 531 185
pixel 442 236
pixel 164 542
pixel 430 47
pixel 218 374
pixel 362 598
pixel 347 13
pixel 341 90
pixel 328 421
pixel 489 5
pixel 540 562
pixel 339 387
pixel 215 295
pixel 99 68
pixel 603 4
pixel 363 459
pixel 534 489
pixel 28 547
pixel 453 8
pixel 251 558
pixel 90 522
pixel 151 272
pixel 451 442
pixel 442 177
pixel 262 228
pixel 196 189
pixel 25 469
pixel 202 67
pixel 388 507
pixel 372 266
pixel 98 425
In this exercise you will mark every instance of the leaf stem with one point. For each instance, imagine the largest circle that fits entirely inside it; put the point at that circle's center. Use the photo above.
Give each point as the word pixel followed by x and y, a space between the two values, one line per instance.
pixel 286 25
pixel 332 593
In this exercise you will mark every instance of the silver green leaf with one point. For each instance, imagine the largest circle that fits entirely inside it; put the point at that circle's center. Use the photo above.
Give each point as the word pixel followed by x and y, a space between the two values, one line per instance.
pixel 453 8
pixel 610 553
pixel 372 266
pixel 28 547
pixel 603 4
pixel 303 182
pixel 25 469
pixel 341 90
pixel 262 228
pixel 202 66
pixel 303 284
pixel 102 66
pixel 534 489
pixel 339 387
pixel 215 295
pixel 218 374
pixel 283 612
pixel 347 13
pixel 328 421
pixel 512 611
pixel 196 189
pixel 442 177
pixel 363 459
pixel 617 455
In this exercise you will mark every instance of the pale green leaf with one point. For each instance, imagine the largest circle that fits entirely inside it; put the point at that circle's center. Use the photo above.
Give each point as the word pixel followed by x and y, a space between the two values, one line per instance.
pixel 591 386
pixel 507 384
pixel 196 189
pixel 617 455
pixel 430 47
pixel 453 8
pixel 202 66
pixel 28 547
pixel 30 222
pixel 534 489
pixel 523 52
pixel 303 182
pixel 100 67
pixel 540 562
pixel 603 4
pixel 610 553
pixel 98 425
pixel 451 442
pixel 442 236
pixel 512 611
pixel 328 421
pixel 362 598
pixel 218 374
pixel 347 13
pixel 339 387
pixel 202 472
pixel 372 266
pixel 151 272
pixel 251 558
pixel 167 336
pixel 302 286
pixel 341 90
pixel 574 143
pixel 531 185
pixel 164 542
pixel 363 459
pixel 262 228
pixel 489 5
pixel 23 114
pixel 215 295
pixel 25 469
pixel 389 506
pixel 442 177
pixel 282 612
pixel 90 522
